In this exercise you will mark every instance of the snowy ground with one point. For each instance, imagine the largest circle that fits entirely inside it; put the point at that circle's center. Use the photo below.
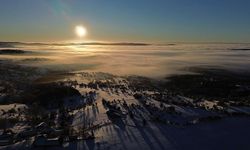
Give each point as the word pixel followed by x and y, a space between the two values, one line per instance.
pixel 171 126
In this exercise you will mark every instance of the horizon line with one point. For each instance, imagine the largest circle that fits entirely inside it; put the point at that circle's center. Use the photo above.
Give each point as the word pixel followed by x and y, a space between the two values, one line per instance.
pixel 115 43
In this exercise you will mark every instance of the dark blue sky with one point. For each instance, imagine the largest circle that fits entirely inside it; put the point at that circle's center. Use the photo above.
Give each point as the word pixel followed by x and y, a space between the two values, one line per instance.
pixel 126 20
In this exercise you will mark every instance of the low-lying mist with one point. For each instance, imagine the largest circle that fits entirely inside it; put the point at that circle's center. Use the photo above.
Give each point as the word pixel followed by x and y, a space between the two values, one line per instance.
pixel 155 61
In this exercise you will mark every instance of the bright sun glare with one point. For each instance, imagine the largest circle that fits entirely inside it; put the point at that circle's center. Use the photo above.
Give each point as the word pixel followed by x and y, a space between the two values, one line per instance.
pixel 81 31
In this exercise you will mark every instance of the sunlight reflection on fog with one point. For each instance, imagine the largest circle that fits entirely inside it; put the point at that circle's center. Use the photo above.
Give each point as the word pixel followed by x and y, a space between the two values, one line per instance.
pixel 152 61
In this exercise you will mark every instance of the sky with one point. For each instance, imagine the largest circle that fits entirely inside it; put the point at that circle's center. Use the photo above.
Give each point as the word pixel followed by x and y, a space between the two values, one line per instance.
pixel 126 20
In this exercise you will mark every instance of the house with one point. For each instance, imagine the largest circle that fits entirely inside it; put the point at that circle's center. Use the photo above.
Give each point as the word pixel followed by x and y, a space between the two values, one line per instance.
pixel 42 141
pixel 25 134
pixel 6 138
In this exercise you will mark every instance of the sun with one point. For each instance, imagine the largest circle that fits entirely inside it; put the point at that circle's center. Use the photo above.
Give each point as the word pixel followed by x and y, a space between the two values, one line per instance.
pixel 81 31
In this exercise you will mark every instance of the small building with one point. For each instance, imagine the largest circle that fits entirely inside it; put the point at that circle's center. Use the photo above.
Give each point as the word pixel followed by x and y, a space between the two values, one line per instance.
pixel 42 141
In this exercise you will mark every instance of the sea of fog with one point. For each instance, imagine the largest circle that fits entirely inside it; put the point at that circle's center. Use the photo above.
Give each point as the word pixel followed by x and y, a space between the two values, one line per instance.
pixel 155 61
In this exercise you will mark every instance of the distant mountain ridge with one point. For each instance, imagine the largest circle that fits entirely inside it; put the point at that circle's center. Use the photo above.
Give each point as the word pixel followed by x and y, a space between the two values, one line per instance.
pixel 13 44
